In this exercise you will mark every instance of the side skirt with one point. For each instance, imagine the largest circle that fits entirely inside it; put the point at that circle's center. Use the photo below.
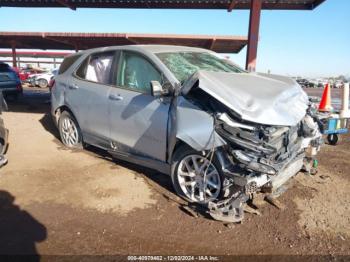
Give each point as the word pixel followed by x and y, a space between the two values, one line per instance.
pixel 160 166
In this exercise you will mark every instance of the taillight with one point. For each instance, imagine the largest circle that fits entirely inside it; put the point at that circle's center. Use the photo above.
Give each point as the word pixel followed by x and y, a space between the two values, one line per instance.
pixel 51 83
pixel 19 87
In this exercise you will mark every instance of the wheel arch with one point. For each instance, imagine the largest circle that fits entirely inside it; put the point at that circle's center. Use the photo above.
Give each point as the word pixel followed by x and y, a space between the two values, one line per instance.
pixel 60 110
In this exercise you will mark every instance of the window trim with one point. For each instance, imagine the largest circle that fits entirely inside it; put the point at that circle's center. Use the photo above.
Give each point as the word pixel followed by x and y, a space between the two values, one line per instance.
pixel 115 63
pixel 121 53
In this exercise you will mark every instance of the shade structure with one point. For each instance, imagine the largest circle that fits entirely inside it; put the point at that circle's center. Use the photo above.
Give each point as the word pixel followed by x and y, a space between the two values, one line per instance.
pixel 79 41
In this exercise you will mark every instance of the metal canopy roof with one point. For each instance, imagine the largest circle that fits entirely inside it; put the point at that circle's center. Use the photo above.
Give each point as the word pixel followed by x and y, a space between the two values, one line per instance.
pixel 176 4
pixel 69 41
pixel 35 54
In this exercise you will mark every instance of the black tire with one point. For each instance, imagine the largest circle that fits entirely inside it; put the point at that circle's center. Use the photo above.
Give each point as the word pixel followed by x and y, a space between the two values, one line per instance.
pixel 181 153
pixel 2 147
pixel 332 139
pixel 77 142
pixel 42 83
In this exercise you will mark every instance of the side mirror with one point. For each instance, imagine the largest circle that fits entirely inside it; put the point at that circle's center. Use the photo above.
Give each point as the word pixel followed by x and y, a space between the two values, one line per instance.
pixel 156 89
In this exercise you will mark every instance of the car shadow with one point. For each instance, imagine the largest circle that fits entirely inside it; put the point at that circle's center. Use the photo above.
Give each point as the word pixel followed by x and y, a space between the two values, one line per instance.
pixel 31 101
pixel 47 122
pixel 19 231
pixel 161 183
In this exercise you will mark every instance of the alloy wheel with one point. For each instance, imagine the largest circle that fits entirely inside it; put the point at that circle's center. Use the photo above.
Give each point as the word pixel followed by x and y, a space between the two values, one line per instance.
pixel 70 134
pixel 198 179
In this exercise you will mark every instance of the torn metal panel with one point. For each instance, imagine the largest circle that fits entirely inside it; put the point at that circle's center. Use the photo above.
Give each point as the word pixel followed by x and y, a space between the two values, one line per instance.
pixel 196 127
pixel 259 98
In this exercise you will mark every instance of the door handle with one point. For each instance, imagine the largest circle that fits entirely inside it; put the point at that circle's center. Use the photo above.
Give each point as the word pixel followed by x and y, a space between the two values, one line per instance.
pixel 115 97
pixel 73 86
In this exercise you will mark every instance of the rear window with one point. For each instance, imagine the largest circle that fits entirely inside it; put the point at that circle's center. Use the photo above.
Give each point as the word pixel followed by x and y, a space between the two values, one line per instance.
pixel 4 67
pixel 67 62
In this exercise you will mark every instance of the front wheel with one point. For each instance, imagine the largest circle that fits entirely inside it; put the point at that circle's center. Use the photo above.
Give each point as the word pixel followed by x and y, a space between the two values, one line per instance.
pixel 69 130
pixel 195 177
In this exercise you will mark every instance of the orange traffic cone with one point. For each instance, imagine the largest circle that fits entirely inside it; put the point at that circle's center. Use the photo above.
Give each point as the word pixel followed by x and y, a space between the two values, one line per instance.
pixel 325 104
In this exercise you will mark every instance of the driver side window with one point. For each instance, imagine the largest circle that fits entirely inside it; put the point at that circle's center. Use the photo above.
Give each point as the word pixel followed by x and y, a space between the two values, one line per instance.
pixel 136 73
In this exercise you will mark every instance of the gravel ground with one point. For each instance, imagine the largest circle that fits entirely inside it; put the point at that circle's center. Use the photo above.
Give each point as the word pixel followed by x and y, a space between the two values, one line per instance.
pixel 56 201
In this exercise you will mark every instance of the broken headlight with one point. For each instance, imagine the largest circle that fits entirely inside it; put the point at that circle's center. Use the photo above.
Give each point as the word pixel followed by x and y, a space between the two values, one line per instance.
pixel 252 164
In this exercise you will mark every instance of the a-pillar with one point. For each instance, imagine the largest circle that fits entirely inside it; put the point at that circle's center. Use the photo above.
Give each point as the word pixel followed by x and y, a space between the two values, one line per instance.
pixel 253 34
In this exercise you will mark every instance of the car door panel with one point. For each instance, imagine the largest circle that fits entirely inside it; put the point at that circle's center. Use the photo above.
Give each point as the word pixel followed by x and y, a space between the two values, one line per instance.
pixel 87 96
pixel 90 104
pixel 138 123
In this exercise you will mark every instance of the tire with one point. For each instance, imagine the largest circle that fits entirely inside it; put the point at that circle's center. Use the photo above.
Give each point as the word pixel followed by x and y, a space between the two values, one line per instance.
pixel 70 132
pixel 2 147
pixel 42 83
pixel 332 139
pixel 186 181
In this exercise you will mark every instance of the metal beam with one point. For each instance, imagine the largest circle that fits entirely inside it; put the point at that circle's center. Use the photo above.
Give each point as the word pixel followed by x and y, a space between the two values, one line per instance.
pixel 33 61
pixel 66 4
pixel 231 6
pixel 211 44
pixel 14 58
pixel 253 34
pixel 164 4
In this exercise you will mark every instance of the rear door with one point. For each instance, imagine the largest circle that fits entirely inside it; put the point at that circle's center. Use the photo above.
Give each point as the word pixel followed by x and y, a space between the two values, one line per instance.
pixel 138 121
pixel 8 78
pixel 87 96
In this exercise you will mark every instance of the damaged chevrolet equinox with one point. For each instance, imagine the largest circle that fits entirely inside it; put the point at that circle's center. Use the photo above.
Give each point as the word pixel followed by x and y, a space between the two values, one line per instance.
pixel 221 133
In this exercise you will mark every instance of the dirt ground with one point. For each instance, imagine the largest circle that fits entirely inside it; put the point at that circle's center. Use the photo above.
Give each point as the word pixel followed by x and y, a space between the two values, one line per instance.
pixel 59 201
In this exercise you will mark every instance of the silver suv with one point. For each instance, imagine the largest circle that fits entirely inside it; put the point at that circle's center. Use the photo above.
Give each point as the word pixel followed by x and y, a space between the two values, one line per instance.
pixel 223 134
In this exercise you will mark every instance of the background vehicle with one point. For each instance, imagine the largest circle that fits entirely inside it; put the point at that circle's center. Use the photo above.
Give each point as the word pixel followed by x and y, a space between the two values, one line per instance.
pixel 222 133
pixel 10 84
pixel 42 80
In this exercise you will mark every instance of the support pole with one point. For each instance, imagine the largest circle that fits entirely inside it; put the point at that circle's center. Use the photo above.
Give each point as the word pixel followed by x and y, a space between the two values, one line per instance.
pixel 76 46
pixel 253 34
pixel 14 56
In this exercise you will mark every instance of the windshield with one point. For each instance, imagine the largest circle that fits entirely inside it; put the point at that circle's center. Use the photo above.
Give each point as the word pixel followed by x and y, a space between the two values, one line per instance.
pixel 184 64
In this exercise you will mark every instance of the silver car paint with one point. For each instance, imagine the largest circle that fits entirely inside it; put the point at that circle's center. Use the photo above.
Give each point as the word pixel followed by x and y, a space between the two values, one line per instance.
pixel 259 98
pixel 150 125
pixel 139 122
pixel 196 127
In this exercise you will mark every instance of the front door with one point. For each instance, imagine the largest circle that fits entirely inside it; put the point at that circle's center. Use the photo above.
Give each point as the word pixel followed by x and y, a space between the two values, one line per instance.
pixel 138 121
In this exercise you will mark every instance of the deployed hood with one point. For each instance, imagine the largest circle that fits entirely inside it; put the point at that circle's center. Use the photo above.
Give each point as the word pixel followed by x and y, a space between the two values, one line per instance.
pixel 260 98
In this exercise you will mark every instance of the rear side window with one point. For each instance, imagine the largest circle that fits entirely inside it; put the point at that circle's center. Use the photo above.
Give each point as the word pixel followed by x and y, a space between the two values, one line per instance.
pixel 67 62
pixel 97 68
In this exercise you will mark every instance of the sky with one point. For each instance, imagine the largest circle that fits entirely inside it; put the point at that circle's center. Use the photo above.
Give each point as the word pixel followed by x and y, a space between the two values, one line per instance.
pixel 295 43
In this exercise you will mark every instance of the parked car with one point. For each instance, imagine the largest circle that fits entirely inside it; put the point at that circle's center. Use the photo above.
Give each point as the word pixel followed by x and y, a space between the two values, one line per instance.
pixel 3 132
pixel 10 84
pixel 25 73
pixel 42 80
pixel 221 133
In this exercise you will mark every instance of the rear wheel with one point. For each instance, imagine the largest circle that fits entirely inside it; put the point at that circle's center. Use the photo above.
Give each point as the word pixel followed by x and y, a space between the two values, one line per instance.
pixel 69 130
pixel 332 139
pixel 195 177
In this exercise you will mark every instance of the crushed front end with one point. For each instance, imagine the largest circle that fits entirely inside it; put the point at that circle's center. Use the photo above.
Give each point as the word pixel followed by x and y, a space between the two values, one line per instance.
pixel 261 159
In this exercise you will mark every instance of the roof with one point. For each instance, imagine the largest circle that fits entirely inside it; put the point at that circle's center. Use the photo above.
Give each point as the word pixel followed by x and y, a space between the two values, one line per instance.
pixel 69 41
pixel 169 4
pixel 145 48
